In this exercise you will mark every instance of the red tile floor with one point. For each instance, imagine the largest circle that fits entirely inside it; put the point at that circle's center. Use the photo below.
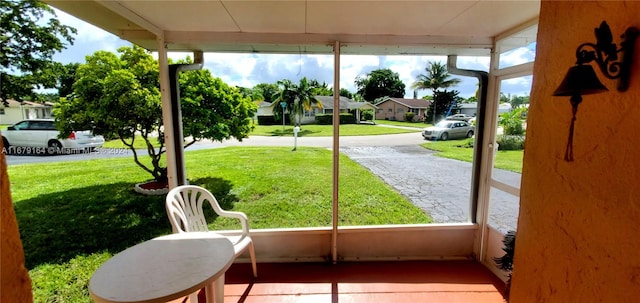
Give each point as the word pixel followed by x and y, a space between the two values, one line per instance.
pixel 362 282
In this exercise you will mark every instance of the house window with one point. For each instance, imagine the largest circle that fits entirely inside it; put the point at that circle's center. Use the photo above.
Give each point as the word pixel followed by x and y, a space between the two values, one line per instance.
pixel 414 110
pixel 400 110
pixel 328 111
pixel 309 113
pixel 391 110
pixel 1 110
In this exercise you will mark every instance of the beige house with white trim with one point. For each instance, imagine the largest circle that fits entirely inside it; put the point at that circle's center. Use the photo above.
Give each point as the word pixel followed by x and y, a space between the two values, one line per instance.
pixel 16 111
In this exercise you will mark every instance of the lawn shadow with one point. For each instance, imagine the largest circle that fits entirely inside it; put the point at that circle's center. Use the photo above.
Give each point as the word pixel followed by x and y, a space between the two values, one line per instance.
pixel 289 132
pixel 59 226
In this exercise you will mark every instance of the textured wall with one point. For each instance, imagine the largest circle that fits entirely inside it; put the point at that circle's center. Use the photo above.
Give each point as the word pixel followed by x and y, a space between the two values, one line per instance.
pixel 15 284
pixel 579 227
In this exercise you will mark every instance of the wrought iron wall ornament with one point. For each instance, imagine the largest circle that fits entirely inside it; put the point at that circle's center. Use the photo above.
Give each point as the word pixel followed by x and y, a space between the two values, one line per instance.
pixel 582 80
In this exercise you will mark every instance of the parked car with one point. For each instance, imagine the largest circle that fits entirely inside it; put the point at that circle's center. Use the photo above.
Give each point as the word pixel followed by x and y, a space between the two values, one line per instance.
pixel 41 136
pixel 459 117
pixel 448 129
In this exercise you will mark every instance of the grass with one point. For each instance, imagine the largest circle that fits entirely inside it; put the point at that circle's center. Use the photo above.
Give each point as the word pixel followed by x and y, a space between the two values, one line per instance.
pixel 138 143
pixel 73 218
pixel 313 130
pixel 462 150
pixel 403 123
pixel 310 130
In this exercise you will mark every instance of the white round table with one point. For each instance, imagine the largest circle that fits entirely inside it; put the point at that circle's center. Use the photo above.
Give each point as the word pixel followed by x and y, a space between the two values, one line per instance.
pixel 164 269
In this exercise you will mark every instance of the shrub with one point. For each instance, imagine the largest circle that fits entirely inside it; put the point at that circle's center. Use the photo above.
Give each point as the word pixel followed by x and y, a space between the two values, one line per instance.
pixel 327 119
pixel 408 116
pixel 467 143
pixel 324 119
pixel 271 120
pixel 366 115
pixel 512 122
pixel 510 142
pixel 514 128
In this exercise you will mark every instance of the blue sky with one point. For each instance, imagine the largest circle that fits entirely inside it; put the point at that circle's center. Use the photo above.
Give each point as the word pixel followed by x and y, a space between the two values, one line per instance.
pixel 250 69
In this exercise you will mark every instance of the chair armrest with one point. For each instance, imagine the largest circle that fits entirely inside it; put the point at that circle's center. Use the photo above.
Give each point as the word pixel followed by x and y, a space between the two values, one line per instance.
pixel 244 221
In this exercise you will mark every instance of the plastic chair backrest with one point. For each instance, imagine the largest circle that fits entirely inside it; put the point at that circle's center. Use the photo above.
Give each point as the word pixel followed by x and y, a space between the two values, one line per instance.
pixel 184 206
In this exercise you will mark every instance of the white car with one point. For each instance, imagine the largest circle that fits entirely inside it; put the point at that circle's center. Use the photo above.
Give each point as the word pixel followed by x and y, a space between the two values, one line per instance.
pixel 41 136
pixel 448 129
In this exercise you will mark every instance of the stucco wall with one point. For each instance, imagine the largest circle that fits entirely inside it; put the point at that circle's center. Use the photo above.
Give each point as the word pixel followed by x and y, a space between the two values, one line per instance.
pixel 578 232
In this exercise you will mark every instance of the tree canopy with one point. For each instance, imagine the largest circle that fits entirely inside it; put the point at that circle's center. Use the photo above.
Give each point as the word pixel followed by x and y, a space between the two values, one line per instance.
pixel 29 37
pixel 380 83
pixel 297 98
pixel 436 77
pixel 119 97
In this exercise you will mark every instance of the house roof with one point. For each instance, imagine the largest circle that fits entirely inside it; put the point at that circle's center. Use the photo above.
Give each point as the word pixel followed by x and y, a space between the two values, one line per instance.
pixel 345 103
pixel 501 106
pixel 410 103
pixel 327 103
pixel 379 27
pixel 15 103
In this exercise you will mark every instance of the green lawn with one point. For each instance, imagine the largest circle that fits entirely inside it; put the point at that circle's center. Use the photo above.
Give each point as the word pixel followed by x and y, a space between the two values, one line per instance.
pixel 310 130
pixel 461 150
pixel 313 130
pixel 74 216
pixel 403 123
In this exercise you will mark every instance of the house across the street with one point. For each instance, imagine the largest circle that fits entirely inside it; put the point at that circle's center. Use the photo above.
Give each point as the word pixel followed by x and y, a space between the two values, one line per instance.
pixel 15 111
pixel 346 106
pixel 471 109
pixel 395 108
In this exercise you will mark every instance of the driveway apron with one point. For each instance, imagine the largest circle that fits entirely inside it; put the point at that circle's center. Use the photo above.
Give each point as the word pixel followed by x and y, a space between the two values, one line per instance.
pixel 441 187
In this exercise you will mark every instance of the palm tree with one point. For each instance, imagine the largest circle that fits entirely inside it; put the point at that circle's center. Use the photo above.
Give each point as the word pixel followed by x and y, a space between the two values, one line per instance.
pixel 306 97
pixel 285 95
pixel 435 77
pixel 297 98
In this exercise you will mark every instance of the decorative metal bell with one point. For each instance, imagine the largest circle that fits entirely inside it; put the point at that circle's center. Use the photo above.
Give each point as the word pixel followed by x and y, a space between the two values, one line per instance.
pixel 580 80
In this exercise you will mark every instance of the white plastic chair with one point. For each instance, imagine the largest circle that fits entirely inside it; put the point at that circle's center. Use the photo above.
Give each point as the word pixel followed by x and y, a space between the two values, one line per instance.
pixel 185 210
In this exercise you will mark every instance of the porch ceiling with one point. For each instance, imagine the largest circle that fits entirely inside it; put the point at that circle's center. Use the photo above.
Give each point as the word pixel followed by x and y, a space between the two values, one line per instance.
pixel 464 27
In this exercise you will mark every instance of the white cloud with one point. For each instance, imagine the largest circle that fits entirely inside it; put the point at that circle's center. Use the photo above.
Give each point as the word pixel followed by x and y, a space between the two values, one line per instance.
pixel 247 70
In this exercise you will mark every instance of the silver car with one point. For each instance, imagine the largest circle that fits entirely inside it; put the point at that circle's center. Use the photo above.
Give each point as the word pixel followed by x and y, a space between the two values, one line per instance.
pixel 449 129
pixel 41 136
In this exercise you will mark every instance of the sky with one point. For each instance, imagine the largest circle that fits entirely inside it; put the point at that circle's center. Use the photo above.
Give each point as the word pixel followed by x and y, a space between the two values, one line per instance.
pixel 247 70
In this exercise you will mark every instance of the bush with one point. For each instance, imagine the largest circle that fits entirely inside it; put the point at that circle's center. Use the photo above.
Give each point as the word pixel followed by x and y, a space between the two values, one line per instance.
pixel 408 116
pixel 324 119
pixel 467 143
pixel 327 119
pixel 366 115
pixel 270 120
pixel 346 118
pixel 514 128
pixel 510 142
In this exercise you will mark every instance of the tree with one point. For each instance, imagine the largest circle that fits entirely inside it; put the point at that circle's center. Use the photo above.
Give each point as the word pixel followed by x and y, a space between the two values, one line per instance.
pixel 512 121
pixel 380 83
pixel 435 77
pixel 297 98
pixel 346 93
pixel 320 89
pixel 518 101
pixel 119 97
pixel 30 35
pixel 442 103
pixel 268 91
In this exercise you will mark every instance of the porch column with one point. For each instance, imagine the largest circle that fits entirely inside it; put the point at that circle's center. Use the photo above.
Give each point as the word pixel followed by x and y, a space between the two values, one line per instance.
pixel 167 112
pixel 486 166
pixel 336 149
